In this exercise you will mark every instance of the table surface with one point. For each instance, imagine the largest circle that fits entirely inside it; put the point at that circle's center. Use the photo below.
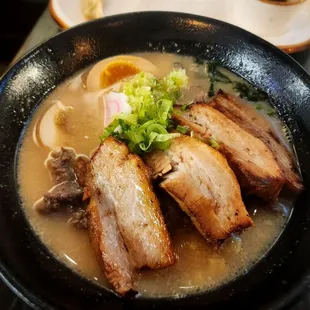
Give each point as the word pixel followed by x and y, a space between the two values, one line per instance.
pixel 44 29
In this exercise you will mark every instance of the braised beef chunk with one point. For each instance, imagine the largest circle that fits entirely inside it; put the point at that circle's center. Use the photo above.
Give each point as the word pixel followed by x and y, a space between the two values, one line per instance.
pixel 60 196
pixel 80 169
pixel 79 219
pixel 60 164
pixel 67 171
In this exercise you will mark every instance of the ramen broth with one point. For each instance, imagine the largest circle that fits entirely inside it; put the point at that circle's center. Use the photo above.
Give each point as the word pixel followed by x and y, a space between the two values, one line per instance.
pixel 199 265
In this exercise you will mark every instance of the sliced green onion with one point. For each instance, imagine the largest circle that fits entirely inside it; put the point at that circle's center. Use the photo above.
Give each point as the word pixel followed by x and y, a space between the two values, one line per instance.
pixel 184 107
pixel 182 129
pixel 108 130
pixel 258 107
pixel 161 145
pixel 160 129
pixel 166 137
pixel 272 113
pixel 213 143
pixel 152 103
pixel 129 118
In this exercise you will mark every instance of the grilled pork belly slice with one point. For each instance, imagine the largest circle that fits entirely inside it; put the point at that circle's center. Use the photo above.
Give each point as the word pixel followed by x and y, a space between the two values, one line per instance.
pixel 123 179
pixel 204 186
pixel 108 243
pixel 253 122
pixel 253 163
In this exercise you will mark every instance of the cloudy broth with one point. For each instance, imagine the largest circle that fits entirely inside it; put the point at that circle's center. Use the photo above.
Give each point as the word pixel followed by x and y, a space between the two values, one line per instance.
pixel 199 265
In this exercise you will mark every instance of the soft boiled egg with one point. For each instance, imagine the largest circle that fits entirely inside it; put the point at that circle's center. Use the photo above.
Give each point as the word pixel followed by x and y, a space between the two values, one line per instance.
pixel 111 70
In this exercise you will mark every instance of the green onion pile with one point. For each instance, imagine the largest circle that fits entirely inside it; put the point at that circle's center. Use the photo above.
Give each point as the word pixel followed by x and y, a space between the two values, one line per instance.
pixel 151 100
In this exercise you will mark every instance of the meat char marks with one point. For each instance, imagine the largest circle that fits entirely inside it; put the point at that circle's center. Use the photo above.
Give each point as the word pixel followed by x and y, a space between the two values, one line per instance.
pixel 256 124
pixel 253 163
pixel 201 181
pixel 127 228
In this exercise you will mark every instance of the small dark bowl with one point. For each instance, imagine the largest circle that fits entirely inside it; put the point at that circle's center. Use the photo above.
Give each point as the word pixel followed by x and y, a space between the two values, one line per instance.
pixel 28 267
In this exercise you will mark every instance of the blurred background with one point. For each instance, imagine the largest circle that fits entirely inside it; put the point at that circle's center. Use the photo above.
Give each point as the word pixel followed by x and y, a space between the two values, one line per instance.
pixel 21 24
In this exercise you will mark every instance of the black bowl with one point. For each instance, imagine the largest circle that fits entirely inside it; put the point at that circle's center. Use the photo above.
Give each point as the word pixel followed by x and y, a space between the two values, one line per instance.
pixel 26 264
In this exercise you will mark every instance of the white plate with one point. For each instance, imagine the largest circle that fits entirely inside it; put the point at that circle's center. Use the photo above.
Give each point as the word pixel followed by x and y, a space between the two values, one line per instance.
pixel 297 38
pixel 67 13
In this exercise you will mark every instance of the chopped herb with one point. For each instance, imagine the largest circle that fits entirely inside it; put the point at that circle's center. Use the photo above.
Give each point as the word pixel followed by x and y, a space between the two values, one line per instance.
pixel 220 77
pixel 170 124
pixel 244 89
pixel 271 112
pixel 199 61
pixel 215 76
pixel 213 143
pixel 249 92
pixel 182 129
pixel 184 107
pixel 211 92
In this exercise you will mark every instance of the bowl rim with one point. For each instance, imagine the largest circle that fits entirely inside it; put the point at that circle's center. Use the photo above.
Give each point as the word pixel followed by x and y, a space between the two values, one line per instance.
pixel 6 275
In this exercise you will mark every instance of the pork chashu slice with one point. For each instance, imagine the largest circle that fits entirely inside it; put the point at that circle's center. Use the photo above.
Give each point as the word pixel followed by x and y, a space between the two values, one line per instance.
pixel 108 243
pixel 249 119
pixel 201 181
pixel 123 179
pixel 253 163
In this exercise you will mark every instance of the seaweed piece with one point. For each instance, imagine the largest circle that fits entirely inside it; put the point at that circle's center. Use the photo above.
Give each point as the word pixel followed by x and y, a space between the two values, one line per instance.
pixel 244 89
pixel 216 76
pixel 199 61
pixel 249 92
pixel 222 78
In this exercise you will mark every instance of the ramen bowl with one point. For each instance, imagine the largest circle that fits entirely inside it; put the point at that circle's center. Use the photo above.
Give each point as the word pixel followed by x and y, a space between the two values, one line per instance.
pixel 30 268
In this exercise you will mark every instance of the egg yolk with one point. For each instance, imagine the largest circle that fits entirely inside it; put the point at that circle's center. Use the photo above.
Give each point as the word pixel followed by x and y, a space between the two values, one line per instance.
pixel 116 71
